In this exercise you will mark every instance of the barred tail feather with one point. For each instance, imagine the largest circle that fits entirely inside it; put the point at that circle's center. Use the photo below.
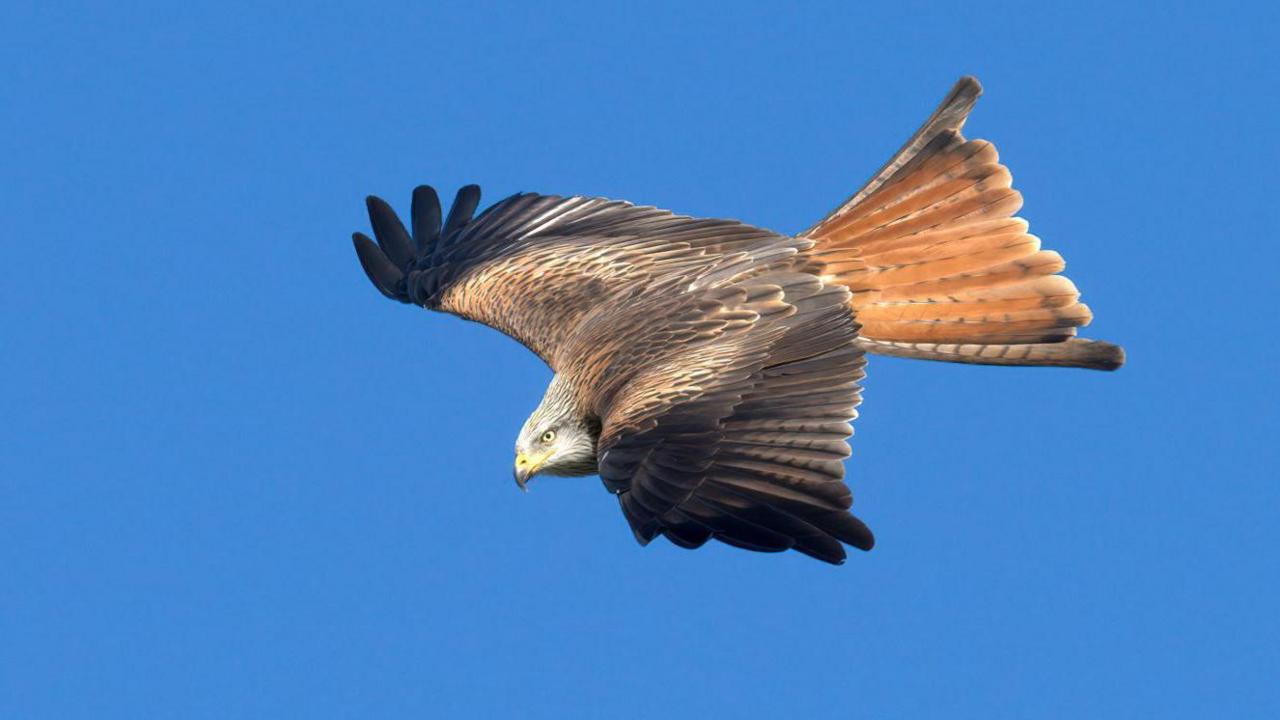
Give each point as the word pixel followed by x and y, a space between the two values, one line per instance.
pixel 939 268
pixel 1074 352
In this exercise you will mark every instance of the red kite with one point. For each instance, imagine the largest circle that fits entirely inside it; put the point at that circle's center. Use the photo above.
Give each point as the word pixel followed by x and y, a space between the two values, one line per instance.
pixel 708 370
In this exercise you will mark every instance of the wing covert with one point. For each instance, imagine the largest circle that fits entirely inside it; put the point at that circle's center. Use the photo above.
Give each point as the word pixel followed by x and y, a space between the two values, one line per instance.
pixel 533 266
pixel 739 434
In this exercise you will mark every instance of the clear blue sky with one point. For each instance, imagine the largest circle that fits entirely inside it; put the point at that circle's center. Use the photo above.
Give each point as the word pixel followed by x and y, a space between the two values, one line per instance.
pixel 237 482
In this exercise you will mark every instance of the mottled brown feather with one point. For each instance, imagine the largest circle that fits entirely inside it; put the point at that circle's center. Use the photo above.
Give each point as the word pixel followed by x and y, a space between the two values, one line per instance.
pixel 741 433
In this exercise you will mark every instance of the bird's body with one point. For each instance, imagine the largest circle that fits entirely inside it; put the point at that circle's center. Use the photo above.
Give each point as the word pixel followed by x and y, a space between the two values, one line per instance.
pixel 708 370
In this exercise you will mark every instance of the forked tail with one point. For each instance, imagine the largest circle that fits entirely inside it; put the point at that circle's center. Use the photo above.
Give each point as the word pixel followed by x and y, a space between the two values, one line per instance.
pixel 941 270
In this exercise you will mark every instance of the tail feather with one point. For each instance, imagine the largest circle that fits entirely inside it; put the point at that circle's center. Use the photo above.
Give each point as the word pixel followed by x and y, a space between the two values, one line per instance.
pixel 940 269
pixel 1073 352
pixel 1015 272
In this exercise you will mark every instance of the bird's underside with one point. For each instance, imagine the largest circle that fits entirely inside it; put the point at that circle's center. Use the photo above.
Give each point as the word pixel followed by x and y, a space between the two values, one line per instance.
pixel 719 362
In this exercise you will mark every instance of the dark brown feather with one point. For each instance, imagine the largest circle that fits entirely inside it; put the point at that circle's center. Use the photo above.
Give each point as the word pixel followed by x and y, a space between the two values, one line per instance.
pixel 743 431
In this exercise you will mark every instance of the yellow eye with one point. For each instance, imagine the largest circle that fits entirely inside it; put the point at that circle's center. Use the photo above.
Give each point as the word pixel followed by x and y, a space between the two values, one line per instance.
pixel 548 436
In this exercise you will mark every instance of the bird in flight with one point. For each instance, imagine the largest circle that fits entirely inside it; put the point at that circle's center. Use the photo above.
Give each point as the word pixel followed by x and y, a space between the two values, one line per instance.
pixel 708 370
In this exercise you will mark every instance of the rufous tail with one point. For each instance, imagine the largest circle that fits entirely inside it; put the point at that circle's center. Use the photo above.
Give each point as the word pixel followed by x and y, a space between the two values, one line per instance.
pixel 941 270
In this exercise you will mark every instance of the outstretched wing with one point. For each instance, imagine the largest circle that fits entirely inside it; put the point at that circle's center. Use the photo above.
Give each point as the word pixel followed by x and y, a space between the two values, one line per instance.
pixel 533 265
pixel 735 426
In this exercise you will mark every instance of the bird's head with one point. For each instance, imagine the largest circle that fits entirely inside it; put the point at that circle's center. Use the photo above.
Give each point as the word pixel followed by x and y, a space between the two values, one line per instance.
pixel 557 439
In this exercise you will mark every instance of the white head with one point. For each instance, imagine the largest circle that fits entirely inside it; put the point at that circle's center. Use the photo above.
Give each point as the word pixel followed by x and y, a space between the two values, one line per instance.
pixel 556 439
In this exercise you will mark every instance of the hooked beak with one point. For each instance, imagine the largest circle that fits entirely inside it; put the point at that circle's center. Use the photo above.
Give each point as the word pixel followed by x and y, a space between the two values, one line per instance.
pixel 526 467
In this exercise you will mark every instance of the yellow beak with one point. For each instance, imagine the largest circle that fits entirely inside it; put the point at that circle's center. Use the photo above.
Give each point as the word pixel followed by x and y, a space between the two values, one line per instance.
pixel 527 466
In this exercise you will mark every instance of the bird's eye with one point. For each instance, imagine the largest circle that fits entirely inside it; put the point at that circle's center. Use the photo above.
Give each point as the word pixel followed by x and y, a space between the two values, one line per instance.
pixel 548 436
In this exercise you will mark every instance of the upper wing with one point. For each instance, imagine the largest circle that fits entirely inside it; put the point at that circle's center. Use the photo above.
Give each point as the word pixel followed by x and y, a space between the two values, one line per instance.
pixel 533 265
pixel 735 426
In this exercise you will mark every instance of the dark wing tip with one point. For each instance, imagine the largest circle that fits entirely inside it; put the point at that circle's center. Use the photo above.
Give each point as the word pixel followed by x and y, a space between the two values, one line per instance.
pixel 464 206
pixel 387 228
pixel 846 528
pixel 864 539
pixel 425 212
pixel 832 557
pixel 395 251
pixel 381 271
pixel 644 530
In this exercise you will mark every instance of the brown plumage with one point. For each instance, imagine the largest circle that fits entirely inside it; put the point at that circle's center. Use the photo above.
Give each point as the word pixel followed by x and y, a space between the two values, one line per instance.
pixel 938 266
pixel 708 370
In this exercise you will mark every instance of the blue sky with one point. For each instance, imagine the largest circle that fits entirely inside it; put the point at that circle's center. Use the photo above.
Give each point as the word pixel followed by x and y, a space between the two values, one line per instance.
pixel 237 482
